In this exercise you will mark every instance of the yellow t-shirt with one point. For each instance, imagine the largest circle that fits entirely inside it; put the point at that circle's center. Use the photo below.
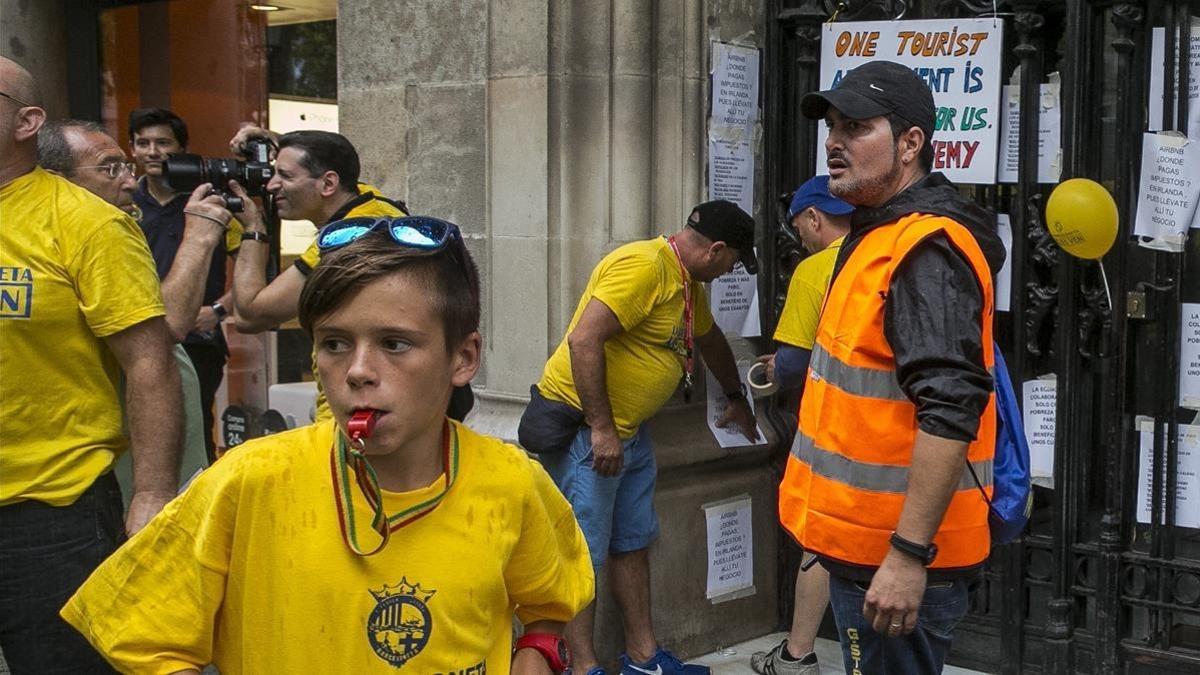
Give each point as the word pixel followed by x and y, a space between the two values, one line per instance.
pixel 643 286
pixel 806 292
pixel 248 570
pixel 73 270
pixel 233 235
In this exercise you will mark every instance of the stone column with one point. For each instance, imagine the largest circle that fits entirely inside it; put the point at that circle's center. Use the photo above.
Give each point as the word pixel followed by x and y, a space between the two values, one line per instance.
pixel 31 33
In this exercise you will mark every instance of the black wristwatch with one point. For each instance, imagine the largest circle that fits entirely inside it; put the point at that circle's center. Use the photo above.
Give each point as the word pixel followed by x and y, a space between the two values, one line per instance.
pixel 923 553
pixel 249 235
pixel 219 310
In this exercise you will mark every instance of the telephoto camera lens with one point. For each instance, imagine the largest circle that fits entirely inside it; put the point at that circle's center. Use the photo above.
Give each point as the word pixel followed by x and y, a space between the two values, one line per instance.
pixel 185 171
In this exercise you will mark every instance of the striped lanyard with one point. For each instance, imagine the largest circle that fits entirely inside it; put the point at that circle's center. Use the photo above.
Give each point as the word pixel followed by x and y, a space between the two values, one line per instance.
pixel 688 338
pixel 346 458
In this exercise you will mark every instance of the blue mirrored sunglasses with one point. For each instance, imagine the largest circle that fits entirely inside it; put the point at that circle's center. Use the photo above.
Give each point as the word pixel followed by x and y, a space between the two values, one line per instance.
pixel 430 234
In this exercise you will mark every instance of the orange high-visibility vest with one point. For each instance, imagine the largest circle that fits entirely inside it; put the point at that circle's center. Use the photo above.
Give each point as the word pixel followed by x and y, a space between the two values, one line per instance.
pixel 847 474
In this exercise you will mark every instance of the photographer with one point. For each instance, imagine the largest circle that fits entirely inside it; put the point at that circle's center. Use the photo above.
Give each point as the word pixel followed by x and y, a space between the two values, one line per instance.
pixel 316 179
pixel 155 133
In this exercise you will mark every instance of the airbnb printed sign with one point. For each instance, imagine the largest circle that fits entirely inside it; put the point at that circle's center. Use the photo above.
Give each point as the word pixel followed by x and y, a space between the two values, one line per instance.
pixel 958 59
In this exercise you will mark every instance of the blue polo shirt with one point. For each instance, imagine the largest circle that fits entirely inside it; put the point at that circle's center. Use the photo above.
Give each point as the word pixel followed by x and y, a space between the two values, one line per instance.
pixel 163 226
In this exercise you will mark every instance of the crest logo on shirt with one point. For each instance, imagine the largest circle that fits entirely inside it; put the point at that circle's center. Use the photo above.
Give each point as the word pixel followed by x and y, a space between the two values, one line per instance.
pixel 16 293
pixel 400 625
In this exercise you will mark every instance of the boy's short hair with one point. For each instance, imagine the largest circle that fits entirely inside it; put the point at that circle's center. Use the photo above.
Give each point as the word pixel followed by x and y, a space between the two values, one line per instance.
pixel 326 151
pixel 148 117
pixel 449 276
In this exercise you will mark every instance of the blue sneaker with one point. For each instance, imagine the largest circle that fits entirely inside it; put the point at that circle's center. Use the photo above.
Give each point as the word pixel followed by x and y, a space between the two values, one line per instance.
pixel 663 663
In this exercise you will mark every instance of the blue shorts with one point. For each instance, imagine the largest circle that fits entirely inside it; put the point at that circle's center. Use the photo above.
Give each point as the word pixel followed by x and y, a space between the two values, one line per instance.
pixel 616 513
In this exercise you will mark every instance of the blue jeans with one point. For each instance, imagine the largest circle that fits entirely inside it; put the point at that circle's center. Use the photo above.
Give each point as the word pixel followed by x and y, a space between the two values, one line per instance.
pixel 923 651
pixel 46 553
pixel 616 513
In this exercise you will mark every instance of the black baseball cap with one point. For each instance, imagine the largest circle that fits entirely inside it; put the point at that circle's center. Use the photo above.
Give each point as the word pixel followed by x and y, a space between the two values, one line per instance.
pixel 724 221
pixel 874 89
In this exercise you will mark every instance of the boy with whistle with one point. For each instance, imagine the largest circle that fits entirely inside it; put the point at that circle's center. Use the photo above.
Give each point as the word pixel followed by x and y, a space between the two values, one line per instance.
pixel 390 537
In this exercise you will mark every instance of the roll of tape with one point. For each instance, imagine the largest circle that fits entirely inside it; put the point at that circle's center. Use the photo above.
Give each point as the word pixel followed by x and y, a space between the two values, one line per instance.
pixel 756 378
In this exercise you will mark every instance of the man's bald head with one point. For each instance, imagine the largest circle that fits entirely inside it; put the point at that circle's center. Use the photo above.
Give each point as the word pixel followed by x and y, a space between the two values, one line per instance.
pixel 21 115
pixel 18 83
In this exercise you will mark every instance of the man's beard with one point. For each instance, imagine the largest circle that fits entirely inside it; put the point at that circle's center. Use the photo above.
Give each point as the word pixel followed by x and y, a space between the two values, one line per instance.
pixel 867 190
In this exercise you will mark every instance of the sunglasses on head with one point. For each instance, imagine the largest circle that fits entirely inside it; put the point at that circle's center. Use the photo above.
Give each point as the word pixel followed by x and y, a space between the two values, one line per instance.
pixel 420 232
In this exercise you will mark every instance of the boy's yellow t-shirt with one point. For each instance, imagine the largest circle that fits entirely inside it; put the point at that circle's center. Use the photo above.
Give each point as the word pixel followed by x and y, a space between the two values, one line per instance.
pixel 248 570
pixel 642 284
pixel 73 271
pixel 806 293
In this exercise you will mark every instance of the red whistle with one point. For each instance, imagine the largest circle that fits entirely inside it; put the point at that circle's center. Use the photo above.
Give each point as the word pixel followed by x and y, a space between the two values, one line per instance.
pixel 361 424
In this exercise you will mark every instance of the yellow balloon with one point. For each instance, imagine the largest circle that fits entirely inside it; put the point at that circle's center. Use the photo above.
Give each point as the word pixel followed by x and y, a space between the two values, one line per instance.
pixel 1082 217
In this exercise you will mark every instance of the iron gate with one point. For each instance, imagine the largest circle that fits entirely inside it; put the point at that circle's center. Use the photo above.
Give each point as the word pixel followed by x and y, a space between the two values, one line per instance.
pixel 1089 588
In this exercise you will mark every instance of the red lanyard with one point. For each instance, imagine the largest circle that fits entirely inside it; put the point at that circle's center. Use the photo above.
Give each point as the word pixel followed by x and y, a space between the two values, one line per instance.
pixel 348 457
pixel 688 338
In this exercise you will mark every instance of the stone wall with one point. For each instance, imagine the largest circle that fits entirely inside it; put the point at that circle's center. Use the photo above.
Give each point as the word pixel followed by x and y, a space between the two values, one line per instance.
pixel 32 33
pixel 553 132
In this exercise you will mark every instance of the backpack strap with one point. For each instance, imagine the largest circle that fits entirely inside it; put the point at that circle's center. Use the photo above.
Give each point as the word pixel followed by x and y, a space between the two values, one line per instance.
pixel 349 206
pixel 398 203
pixel 363 198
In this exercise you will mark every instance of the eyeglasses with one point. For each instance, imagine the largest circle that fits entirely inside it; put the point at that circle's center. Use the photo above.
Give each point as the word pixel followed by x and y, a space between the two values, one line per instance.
pixel 14 99
pixel 113 169
pixel 421 232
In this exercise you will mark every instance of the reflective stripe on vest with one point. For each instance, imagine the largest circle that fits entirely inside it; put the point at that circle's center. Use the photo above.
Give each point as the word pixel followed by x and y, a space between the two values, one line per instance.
pixel 848 473
pixel 866 382
pixel 873 477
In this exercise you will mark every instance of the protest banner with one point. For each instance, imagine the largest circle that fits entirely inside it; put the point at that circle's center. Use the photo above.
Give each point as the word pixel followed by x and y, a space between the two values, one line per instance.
pixel 958 59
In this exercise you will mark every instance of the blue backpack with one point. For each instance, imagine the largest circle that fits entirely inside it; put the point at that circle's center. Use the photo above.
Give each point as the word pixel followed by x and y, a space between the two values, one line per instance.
pixel 1012 495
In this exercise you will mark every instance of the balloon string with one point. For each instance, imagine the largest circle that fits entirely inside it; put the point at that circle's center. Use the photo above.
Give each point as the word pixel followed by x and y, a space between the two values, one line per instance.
pixel 1104 277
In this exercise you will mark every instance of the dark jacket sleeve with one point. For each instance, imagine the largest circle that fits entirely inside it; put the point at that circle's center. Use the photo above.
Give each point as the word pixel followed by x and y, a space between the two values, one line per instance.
pixel 791 366
pixel 932 323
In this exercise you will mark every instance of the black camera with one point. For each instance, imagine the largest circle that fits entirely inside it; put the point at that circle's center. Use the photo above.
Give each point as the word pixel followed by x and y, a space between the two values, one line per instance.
pixel 185 171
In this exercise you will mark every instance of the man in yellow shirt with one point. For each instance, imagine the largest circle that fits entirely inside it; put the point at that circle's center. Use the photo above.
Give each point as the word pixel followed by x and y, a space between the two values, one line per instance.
pixel 82 152
pixel 79 304
pixel 633 336
pixel 821 221
pixel 386 539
